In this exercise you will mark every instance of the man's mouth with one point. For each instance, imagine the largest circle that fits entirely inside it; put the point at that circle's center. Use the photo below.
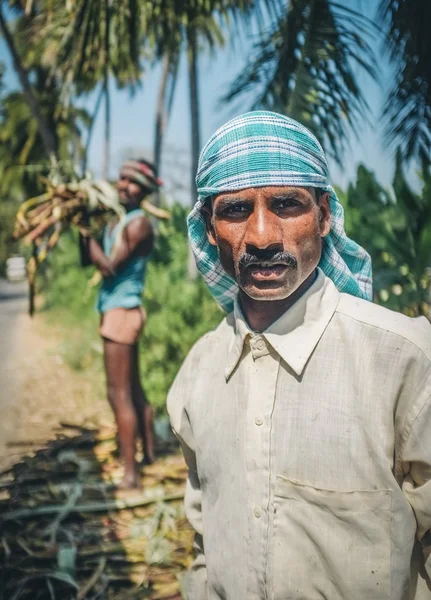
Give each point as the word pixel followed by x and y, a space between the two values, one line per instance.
pixel 265 271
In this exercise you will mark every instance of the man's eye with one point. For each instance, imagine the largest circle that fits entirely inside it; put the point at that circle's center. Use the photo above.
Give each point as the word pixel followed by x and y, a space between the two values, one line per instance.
pixel 285 203
pixel 233 210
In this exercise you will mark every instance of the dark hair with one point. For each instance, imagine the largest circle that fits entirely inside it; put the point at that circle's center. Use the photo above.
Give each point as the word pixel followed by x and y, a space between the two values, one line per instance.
pixel 149 164
pixel 318 192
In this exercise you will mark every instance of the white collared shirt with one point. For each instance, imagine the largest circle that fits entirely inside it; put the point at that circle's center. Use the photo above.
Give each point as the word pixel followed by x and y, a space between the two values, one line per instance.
pixel 309 453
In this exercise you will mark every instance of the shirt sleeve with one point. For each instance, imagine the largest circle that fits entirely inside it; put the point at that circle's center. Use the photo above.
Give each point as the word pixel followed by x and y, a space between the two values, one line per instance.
pixel 196 579
pixel 195 584
pixel 416 458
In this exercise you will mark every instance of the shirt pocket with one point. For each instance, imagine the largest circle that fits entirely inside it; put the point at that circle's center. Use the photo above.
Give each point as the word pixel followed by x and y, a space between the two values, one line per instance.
pixel 331 545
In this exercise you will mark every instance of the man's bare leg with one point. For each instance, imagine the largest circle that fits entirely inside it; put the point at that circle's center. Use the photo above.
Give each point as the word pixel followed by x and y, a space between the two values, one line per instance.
pixel 144 411
pixel 118 367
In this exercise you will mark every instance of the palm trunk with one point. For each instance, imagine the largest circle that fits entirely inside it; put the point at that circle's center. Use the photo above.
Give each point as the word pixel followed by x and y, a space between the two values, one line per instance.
pixel 107 134
pixel 195 132
pixel 107 137
pixel 161 118
pixel 91 128
pixel 48 139
pixel 300 70
pixel 161 112
pixel 164 108
pixel 173 74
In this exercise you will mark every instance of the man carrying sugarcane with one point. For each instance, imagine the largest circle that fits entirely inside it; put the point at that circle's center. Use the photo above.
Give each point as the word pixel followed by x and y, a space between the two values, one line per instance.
pixel 122 262
pixel 305 417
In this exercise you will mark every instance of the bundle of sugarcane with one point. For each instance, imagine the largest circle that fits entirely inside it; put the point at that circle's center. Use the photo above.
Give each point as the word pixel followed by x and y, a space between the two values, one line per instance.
pixel 40 220
pixel 66 534
pixel 67 203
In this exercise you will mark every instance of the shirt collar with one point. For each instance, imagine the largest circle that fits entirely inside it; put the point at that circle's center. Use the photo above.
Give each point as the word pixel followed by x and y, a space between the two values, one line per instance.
pixel 296 333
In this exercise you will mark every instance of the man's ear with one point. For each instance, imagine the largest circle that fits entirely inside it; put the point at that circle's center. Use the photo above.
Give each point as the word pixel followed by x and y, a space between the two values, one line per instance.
pixel 207 214
pixel 324 214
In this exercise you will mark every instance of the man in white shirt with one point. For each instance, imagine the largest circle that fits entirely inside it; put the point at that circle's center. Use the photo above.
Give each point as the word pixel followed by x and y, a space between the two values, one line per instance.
pixel 305 417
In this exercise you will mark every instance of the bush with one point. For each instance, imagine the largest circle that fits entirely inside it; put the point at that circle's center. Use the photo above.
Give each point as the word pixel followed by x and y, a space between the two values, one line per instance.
pixel 8 245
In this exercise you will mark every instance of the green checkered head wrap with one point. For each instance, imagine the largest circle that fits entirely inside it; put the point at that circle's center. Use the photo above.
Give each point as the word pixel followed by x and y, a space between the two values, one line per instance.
pixel 259 149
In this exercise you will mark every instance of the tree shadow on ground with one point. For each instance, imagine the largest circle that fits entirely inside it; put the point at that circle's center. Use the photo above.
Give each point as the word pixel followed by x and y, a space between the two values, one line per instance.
pixel 67 534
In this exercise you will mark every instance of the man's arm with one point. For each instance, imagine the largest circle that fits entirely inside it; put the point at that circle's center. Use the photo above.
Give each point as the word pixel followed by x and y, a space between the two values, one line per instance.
pixel 137 236
pixel 416 457
pixel 195 583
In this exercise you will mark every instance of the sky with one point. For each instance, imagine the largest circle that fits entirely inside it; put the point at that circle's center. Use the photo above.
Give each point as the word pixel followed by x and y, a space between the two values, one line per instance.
pixel 133 116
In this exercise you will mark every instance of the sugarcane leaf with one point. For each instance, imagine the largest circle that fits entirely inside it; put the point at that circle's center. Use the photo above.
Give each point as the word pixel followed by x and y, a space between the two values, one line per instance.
pixel 158 551
pixel 66 560
pixel 50 589
pixel 64 578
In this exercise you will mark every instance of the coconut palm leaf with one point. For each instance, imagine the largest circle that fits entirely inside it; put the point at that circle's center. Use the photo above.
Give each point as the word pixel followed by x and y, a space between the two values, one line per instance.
pixel 407 110
pixel 21 144
pixel 81 41
pixel 305 69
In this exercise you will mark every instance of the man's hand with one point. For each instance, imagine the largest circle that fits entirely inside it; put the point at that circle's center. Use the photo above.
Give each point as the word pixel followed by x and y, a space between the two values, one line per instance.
pixel 82 221
pixel 85 231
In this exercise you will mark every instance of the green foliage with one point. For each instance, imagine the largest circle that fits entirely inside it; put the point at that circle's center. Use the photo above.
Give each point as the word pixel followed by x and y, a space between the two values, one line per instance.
pixel 22 156
pixel 8 246
pixel 396 231
pixel 179 311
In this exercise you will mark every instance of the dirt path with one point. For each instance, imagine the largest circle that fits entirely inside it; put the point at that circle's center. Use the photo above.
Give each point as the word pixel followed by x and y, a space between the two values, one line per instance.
pixel 37 389
pixel 13 303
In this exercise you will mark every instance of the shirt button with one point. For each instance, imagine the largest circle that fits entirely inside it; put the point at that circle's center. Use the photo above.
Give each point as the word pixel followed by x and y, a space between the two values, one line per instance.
pixel 257 512
pixel 258 421
pixel 260 345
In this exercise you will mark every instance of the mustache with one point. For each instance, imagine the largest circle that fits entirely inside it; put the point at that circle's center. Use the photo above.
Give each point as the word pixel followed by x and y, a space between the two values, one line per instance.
pixel 267 258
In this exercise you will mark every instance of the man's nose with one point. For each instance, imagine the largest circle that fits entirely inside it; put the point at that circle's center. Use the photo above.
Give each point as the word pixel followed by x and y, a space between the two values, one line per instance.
pixel 263 229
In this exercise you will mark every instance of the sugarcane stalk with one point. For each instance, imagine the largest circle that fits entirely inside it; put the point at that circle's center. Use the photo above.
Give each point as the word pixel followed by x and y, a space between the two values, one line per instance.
pixel 32 267
pixel 36 211
pixel 32 201
pixel 155 211
pixel 53 240
pixel 39 230
pixel 37 219
pixel 93 579
pixel 111 505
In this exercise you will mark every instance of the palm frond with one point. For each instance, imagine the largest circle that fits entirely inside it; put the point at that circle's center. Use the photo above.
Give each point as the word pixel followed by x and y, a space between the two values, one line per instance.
pixel 305 69
pixel 407 110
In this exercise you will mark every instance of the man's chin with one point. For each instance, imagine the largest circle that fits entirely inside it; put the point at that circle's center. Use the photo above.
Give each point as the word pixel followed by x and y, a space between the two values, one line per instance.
pixel 268 293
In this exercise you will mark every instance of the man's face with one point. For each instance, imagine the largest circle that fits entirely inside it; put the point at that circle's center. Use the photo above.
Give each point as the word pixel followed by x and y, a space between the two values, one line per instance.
pixel 129 191
pixel 269 239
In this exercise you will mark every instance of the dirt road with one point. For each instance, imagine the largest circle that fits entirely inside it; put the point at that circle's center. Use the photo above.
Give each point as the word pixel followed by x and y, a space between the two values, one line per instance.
pixel 38 389
pixel 13 306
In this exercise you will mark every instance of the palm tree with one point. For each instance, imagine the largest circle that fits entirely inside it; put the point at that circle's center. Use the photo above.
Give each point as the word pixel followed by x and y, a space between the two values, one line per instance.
pixel 164 105
pixel 88 42
pixel 22 152
pixel 42 125
pixel 194 26
pixel 305 68
pixel 408 105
